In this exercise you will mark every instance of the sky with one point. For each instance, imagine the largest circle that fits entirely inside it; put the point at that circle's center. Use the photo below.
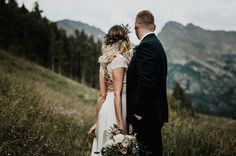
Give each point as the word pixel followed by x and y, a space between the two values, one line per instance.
pixel 208 14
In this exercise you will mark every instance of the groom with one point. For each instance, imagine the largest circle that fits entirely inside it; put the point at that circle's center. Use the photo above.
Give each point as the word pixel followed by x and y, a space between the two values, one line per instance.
pixel 147 105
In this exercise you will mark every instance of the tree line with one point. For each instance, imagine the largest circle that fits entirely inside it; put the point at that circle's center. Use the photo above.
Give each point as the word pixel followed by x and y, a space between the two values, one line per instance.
pixel 29 35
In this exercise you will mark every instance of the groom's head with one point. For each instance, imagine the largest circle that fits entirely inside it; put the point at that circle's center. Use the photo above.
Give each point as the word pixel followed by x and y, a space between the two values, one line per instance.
pixel 144 22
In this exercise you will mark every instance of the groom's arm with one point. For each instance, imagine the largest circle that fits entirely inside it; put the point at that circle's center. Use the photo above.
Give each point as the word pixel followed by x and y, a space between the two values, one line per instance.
pixel 145 63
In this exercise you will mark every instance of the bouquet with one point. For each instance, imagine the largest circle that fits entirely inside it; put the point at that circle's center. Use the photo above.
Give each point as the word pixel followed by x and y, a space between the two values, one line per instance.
pixel 120 144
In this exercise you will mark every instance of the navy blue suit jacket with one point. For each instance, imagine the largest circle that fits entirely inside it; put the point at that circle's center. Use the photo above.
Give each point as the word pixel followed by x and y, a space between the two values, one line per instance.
pixel 146 80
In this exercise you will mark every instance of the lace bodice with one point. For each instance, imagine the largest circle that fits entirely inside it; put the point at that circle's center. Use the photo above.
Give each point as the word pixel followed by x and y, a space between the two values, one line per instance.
pixel 118 62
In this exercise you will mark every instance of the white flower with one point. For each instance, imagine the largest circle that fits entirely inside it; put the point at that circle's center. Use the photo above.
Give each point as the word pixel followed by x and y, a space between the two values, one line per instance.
pixel 130 137
pixel 125 143
pixel 119 138
pixel 110 142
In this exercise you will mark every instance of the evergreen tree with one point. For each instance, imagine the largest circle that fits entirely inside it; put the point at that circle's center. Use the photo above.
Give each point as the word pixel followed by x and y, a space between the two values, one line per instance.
pixel 36 10
pixel 31 36
pixel 185 100
pixel 12 4
pixel 2 3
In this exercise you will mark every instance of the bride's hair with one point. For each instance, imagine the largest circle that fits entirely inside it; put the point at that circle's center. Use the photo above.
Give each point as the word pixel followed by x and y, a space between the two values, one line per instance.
pixel 116 42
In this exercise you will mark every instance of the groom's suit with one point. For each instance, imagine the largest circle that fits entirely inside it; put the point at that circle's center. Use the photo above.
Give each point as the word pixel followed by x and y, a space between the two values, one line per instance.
pixel 146 93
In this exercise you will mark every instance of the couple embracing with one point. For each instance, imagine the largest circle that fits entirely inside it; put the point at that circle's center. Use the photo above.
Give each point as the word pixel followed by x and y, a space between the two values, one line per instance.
pixel 132 87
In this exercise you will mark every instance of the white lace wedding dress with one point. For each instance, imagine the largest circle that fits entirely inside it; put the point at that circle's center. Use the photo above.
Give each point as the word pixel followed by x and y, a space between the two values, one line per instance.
pixel 106 116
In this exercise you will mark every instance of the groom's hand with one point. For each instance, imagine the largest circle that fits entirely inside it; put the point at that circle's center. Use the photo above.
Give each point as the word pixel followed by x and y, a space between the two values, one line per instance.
pixel 138 117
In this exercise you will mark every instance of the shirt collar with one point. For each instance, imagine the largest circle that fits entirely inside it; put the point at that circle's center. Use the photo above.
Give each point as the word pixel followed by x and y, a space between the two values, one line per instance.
pixel 146 35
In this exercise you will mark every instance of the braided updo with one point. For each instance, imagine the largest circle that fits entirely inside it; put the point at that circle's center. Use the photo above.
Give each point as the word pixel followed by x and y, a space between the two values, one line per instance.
pixel 116 42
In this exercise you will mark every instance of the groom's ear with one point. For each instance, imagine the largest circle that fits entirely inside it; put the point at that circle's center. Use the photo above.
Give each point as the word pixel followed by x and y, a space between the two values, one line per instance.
pixel 135 26
pixel 154 27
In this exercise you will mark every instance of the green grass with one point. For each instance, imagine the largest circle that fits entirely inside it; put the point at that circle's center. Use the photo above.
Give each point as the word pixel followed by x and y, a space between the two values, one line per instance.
pixel 41 110
pixel 63 92
pixel 185 136
pixel 43 113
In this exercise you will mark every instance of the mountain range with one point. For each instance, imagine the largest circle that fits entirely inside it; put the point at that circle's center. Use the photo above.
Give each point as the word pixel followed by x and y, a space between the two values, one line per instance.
pixel 202 61
pixel 70 27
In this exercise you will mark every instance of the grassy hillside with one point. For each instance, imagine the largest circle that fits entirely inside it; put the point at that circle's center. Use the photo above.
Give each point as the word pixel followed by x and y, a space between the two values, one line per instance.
pixel 42 110
pixel 43 113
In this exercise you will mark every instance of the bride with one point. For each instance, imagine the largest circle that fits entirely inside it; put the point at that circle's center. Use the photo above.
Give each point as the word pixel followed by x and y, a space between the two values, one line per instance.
pixel 111 103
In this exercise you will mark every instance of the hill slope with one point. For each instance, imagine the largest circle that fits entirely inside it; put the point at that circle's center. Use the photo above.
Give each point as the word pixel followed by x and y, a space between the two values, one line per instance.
pixel 204 63
pixel 43 113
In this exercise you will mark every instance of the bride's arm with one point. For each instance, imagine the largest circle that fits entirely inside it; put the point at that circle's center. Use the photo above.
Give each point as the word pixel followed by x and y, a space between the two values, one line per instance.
pixel 118 75
pixel 100 100
pixel 102 94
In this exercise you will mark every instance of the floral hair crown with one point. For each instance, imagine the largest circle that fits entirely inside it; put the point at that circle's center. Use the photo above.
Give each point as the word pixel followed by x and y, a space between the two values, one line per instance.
pixel 112 40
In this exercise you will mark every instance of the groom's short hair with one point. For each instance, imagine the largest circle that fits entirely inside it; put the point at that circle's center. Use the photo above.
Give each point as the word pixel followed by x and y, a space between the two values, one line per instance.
pixel 145 17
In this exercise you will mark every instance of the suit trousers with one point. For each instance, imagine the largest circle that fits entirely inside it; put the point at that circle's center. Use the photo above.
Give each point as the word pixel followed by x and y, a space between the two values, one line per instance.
pixel 149 135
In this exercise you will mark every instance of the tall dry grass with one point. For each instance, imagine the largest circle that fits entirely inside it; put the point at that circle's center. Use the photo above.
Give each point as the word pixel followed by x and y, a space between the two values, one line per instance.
pixel 194 136
pixel 42 113
pixel 29 128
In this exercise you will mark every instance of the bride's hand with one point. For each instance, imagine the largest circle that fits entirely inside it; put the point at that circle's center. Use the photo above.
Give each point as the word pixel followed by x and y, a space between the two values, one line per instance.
pixel 120 129
pixel 91 131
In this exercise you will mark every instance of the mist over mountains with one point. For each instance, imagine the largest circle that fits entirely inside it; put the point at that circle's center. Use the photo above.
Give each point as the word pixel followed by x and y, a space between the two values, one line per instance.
pixel 202 61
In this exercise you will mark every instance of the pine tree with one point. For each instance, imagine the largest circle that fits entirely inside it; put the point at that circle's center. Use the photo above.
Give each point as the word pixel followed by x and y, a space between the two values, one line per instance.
pixel 29 35
pixel 36 10
pixel 2 3
pixel 185 100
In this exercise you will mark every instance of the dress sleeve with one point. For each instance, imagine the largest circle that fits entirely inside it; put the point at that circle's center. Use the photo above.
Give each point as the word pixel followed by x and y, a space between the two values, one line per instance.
pixel 119 62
